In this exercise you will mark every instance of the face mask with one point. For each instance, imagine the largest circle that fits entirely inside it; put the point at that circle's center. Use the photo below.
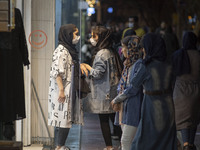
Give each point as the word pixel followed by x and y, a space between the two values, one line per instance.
pixel 131 24
pixel 93 42
pixel 76 40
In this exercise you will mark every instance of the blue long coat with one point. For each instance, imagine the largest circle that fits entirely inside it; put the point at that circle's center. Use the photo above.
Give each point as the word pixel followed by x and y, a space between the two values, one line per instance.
pixel 132 101
pixel 156 129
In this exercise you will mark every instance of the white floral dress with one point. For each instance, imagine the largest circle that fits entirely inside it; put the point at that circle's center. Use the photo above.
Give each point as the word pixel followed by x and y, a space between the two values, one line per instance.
pixel 59 114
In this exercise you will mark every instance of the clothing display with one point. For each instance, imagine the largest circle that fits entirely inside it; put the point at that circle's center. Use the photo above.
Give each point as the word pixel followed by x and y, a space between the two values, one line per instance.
pixel 13 55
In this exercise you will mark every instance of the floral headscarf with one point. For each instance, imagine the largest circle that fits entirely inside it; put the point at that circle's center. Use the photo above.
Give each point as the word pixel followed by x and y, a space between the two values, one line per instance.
pixel 133 56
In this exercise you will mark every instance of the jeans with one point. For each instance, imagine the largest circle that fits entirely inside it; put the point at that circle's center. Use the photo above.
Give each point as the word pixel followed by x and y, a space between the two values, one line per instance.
pixel 60 135
pixel 128 134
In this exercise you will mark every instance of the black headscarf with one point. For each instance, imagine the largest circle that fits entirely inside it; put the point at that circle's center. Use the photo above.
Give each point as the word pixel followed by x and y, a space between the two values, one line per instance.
pixel 154 47
pixel 65 38
pixel 181 61
pixel 105 38
pixel 105 41
pixel 129 32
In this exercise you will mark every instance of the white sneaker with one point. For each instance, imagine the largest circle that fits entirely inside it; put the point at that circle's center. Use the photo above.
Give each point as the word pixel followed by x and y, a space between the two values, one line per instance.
pixel 109 149
pixel 64 148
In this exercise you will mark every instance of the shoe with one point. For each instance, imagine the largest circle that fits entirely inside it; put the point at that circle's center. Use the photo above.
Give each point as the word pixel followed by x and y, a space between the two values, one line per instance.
pixel 187 147
pixel 64 148
pixel 109 149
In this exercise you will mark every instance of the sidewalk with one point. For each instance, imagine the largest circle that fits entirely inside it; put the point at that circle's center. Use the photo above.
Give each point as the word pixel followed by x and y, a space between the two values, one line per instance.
pixel 91 136
pixel 92 139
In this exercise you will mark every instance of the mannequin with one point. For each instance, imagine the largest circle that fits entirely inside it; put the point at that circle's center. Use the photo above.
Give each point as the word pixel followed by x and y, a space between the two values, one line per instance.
pixel 13 55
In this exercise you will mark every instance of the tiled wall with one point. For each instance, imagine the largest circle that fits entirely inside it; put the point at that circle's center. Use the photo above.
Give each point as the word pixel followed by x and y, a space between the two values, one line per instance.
pixel 43 19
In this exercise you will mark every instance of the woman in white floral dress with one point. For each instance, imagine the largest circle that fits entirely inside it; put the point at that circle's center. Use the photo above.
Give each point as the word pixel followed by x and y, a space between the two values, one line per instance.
pixel 64 106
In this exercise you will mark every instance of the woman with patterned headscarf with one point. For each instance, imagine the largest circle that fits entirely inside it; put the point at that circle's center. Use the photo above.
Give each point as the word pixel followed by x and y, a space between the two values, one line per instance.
pixel 129 112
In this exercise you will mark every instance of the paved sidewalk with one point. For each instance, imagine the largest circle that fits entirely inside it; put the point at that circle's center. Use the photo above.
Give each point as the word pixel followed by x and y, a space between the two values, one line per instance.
pixel 91 136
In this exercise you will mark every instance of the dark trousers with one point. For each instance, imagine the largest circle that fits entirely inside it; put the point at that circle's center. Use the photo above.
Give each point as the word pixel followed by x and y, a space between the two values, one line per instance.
pixel 105 127
pixel 188 135
pixel 60 136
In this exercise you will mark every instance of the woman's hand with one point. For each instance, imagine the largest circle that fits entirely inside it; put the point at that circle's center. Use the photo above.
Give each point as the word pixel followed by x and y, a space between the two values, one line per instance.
pixel 115 107
pixel 83 69
pixel 61 98
pixel 88 67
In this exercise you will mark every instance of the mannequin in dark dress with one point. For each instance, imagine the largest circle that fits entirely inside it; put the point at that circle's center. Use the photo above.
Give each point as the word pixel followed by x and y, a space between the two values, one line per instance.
pixel 13 56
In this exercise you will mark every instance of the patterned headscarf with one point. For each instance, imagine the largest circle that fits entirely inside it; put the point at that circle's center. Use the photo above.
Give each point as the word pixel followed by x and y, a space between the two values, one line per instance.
pixel 133 56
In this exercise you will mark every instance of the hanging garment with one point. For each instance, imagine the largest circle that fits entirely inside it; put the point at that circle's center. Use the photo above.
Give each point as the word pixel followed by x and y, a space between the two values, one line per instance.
pixel 13 55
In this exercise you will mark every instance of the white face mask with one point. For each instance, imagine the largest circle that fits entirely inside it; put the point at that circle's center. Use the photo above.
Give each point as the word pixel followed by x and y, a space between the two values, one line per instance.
pixel 76 40
pixel 130 24
pixel 93 42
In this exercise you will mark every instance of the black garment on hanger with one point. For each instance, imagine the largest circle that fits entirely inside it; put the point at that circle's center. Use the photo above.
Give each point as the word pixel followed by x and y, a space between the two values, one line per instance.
pixel 13 55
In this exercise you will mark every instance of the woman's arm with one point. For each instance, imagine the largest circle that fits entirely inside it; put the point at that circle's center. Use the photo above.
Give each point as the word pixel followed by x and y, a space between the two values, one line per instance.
pixel 59 71
pixel 98 70
pixel 61 97
pixel 137 76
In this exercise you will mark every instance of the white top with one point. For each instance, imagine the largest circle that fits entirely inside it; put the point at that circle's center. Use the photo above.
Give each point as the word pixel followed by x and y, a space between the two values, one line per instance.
pixel 59 113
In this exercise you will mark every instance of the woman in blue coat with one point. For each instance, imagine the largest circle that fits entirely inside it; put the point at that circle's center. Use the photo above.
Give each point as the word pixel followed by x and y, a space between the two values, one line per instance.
pixel 129 114
pixel 156 129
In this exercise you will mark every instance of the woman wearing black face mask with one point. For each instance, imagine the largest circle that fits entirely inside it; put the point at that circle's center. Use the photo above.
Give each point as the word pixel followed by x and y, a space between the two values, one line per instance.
pixel 64 84
pixel 104 77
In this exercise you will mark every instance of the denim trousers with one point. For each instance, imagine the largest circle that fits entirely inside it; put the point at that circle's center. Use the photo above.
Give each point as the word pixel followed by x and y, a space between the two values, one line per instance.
pixel 60 135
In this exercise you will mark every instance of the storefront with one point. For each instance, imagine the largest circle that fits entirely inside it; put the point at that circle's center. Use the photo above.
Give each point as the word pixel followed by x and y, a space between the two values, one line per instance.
pixel 42 20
